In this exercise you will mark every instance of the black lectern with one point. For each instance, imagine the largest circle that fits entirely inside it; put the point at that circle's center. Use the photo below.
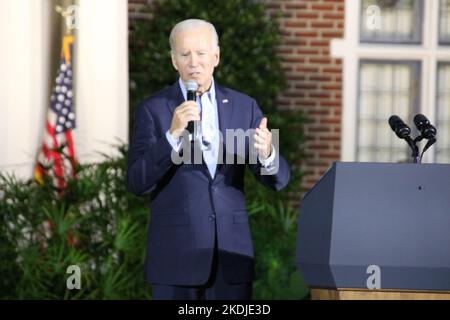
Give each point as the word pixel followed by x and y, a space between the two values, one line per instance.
pixel 392 218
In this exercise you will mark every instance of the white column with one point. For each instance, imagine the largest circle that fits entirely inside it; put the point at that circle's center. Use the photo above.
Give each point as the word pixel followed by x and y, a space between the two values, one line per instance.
pixel 24 82
pixel 101 77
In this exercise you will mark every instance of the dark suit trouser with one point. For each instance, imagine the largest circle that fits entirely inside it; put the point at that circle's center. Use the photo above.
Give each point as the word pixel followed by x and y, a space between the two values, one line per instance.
pixel 216 288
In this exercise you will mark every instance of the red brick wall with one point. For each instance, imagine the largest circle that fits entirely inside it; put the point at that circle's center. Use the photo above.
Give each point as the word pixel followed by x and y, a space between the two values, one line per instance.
pixel 314 78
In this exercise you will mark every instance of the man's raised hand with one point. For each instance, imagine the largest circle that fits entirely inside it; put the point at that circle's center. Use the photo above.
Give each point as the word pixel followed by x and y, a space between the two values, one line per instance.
pixel 263 140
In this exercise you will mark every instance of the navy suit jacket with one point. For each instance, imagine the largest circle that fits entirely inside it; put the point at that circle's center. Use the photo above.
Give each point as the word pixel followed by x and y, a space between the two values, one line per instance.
pixel 188 206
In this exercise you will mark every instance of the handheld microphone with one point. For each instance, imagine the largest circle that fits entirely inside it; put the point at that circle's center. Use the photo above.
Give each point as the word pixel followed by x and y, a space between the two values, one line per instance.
pixel 427 130
pixel 191 87
pixel 399 127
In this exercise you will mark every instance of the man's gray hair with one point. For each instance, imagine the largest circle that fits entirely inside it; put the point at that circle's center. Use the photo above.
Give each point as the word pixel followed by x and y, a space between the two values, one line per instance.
pixel 190 24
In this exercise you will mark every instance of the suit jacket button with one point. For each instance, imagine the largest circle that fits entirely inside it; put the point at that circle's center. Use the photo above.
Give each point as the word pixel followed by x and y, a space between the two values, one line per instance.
pixel 212 217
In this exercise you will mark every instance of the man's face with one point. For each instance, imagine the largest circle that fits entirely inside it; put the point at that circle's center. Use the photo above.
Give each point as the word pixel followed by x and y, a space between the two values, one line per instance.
pixel 196 56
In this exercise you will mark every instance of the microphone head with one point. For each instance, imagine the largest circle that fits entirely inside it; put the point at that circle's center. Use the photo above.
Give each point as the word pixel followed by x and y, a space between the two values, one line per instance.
pixel 191 85
pixel 422 123
pixel 399 127
pixel 393 121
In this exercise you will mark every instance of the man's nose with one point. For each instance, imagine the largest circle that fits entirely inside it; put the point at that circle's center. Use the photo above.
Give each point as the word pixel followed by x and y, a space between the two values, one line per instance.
pixel 193 61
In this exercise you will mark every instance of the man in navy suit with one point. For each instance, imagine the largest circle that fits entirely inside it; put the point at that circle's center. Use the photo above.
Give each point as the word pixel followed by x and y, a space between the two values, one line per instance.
pixel 199 244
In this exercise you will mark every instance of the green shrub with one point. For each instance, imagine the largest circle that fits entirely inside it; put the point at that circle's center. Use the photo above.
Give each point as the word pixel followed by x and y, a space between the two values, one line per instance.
pixel 97 225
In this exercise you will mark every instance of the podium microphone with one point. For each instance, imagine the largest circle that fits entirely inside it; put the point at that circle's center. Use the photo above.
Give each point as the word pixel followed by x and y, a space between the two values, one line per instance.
pixel 427 130
pixel 402 131
pixel 400 128
pixel 191 87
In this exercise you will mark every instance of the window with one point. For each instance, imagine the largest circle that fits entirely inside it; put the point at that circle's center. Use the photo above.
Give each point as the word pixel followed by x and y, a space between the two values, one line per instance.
pixel 443 114
pixel 386 88
pixel 444 22
pixel 396 62
pixel 391 21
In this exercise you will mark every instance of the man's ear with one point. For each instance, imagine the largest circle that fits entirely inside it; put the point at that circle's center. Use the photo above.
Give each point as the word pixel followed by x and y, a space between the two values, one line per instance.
pixel 174 62
pixel 217 56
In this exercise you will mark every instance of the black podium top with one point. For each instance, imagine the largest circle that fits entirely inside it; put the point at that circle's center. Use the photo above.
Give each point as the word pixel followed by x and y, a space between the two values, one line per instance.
pixel 395 217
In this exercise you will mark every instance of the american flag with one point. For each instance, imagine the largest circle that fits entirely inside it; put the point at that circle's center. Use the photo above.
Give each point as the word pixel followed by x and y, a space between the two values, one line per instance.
pixel 56 157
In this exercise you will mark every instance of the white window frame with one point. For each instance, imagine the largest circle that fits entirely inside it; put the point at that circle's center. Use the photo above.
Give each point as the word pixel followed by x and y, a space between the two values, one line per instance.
pixel 351 51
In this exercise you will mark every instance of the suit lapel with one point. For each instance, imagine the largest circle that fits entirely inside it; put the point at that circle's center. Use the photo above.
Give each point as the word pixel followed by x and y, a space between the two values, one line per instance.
pixel 225 112
pixel 175 98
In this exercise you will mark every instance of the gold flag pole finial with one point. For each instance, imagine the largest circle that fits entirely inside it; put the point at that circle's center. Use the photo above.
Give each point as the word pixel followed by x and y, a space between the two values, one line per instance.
pixel 70 15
